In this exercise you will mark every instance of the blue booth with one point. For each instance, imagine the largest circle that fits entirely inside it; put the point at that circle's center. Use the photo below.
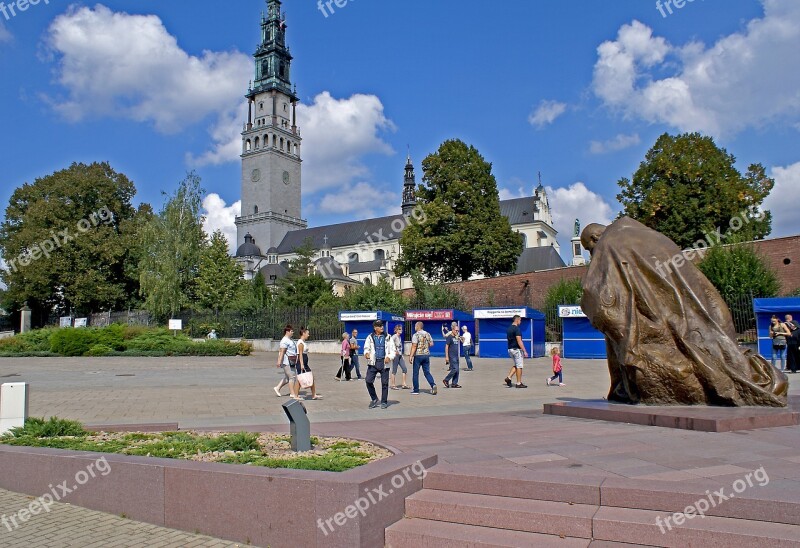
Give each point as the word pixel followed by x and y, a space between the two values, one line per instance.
pixel 581 339
pixel 764 309
pixel 434 320
pixel 493 323
pixel 362 321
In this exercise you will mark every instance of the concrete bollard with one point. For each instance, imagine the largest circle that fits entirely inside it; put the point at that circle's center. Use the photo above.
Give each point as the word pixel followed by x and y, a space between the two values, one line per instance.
pixel 13 405
pixel 299 425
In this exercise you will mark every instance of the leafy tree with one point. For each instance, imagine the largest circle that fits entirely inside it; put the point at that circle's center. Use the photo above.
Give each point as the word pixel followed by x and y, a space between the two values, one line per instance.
pixel 69 239
pixel 379 296
pixel 303 285
pixel 219 278
pixel 739 271
pixel 564 292
pixel 457 230
pixel 431 296
pixel 687 187
pixel 171 247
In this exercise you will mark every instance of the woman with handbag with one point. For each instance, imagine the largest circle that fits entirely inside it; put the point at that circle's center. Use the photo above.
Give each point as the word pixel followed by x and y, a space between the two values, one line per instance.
pixel 778 333
pixel 287 359
pixel 305 378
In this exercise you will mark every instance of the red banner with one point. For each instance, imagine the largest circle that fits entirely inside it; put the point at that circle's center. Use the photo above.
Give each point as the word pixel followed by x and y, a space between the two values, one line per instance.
pixel 429 315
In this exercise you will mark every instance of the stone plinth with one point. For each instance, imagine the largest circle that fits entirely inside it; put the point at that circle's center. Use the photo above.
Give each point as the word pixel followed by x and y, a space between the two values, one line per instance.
pixel 701 418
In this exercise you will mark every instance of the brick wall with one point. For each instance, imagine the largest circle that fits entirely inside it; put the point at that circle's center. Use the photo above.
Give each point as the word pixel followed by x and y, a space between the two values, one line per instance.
pixel 783 255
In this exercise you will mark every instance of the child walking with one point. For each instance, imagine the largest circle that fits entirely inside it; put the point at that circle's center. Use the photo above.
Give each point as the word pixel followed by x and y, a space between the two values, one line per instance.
pixel 555 352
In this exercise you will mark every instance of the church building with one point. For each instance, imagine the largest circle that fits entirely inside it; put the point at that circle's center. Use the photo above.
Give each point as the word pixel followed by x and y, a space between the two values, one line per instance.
pixel 352 253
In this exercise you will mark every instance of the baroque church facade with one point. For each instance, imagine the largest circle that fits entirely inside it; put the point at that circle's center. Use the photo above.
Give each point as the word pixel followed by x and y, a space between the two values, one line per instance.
pixel 271 226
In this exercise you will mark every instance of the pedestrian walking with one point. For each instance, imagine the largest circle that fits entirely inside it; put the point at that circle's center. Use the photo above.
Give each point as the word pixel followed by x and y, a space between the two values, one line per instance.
pixel 287 359
pixel 557 368
pixel 792 344
pixel 354 353
pixel 302 362
pixel 516 351
pixel 778 332
pixel 345 356
pixel 420 357
pixel 398 360
pixel 466 346
pixel 379 352
pixel 451 357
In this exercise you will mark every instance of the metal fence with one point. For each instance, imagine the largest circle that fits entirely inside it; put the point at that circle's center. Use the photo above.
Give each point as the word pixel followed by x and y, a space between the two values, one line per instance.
pixel 7 323
pixel 324 324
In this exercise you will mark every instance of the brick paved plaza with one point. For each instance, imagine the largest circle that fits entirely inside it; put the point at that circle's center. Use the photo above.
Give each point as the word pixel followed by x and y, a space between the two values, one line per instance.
pixel 484 425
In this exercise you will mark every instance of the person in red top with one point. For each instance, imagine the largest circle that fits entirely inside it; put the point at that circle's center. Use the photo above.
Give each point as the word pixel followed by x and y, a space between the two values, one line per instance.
pixel 555 352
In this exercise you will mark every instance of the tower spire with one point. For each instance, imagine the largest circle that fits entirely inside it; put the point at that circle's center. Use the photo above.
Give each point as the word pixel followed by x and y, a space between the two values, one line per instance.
pixel 409 187
pixel 272 58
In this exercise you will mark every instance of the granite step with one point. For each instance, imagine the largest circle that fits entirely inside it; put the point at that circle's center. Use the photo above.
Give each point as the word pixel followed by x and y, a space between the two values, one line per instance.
pixel 423 533
pixel 530 516
pixel 642 526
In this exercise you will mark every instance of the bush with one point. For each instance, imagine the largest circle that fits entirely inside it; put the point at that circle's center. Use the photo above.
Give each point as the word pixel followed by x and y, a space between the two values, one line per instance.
pixel 111 336
pixel 37 340
pixel 100 350
pixel 739 271
pixel 54 427
pixel 71 342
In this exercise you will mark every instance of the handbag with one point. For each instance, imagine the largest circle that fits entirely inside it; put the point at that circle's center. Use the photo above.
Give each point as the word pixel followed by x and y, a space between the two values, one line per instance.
pixel 306 379
pixel 293 360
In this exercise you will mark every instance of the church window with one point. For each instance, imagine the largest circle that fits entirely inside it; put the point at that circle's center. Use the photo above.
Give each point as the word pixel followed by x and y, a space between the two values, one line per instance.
pixel 248 145
pixel 380 255
pixel 352 258
pixel 258 143
pixel 260 106
pixel 255 209
pixel 274 141
pixel 281 143
pixel 367 281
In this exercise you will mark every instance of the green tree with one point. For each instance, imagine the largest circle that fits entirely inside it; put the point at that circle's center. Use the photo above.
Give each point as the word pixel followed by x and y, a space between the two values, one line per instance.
pixel 68 240
pixel 379 296
pixel 457 229
pixel 219 278
pixel 171 247
pixel 687 187
pixel 739 271
pixel 431 296
pixel 303 285
pixel 563 292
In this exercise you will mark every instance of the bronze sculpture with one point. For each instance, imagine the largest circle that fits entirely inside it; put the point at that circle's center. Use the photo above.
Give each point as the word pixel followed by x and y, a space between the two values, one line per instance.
pixel 670 337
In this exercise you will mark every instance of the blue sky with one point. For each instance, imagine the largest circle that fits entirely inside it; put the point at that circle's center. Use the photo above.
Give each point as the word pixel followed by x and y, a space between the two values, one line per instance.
pixel 576 89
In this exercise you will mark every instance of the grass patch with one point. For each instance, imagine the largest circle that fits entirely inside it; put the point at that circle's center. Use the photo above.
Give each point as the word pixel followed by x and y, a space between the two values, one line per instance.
pixel 243 448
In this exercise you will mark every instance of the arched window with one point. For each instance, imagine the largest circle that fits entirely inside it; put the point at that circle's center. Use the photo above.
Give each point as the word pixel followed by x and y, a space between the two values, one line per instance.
pixel 248 146
pixel 367 281
pixel 380 255
pixel 258 143
pixel 352 258
pixel 281 143
pixel 255 209
pixel 274 140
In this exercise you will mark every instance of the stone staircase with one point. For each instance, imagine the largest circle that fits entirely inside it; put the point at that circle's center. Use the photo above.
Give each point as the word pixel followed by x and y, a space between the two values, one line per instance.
pixel 469 506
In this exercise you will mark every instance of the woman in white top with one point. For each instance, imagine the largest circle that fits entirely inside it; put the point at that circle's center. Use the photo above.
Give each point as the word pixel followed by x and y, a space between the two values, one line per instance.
pixel 302 364
pixel 287 359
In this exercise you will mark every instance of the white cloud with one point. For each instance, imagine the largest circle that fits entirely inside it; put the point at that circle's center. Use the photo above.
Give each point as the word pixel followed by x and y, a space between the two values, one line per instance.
pixel 576 202
pixel 5 34
pixel 782 201
pixel 746 79
pixel 546 113
pixel 620 142
pixel 370 201
pixel 337 133
pixel 506 194
pixel 116 64
pixel 220 216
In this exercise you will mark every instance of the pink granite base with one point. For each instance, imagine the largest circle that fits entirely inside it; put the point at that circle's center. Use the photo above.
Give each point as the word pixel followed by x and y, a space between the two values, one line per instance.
pixel 704 419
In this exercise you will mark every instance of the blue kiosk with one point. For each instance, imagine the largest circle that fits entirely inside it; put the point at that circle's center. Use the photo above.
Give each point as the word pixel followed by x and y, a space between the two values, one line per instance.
pixel 581 339
pixel 494 322
pixel 362 321
pixel 435 319
pixel 764 309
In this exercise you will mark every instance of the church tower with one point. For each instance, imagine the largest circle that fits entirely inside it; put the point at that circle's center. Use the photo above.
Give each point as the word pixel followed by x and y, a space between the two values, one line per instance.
pixel 271 141
pixel 409 188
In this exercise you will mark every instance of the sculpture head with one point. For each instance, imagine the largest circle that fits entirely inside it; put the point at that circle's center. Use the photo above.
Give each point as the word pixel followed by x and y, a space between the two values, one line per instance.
pixel 590 235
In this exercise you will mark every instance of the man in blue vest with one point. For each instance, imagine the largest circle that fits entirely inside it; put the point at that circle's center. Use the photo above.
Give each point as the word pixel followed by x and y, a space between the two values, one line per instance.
pixel 379 351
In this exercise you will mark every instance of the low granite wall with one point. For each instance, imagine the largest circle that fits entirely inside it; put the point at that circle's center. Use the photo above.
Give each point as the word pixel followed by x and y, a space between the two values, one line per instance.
pixel 246 504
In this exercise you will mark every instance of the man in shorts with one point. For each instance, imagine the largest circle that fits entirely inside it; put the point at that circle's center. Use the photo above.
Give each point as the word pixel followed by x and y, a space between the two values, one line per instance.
pixel 420 356
pixel 516 351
